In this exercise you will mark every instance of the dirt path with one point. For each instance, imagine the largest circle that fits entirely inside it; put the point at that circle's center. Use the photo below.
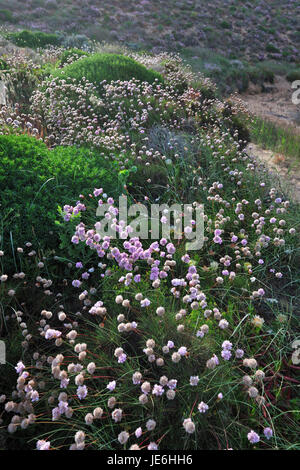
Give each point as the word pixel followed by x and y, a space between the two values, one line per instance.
pixel 275 104
pixel 286 172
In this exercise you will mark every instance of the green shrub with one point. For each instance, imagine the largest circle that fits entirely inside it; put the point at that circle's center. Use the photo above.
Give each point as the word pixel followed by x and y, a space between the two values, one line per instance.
pixel 109 67
pixel 236 123
pixel 293 75
pixel 225 25
pixel 260 74
pixel 3 65
pixel 33 39
pixel 6 15
pixel 271 48
pixel 35 180
pixel 77 41
pixel 71 53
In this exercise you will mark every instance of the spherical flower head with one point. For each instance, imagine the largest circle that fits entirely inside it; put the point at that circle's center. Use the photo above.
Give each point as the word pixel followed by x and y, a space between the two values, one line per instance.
pixel 212 362
pixel 152 446
pixel 260 375
pixel 194 380
pixel 257 321
pixel 143 399
pixel 163 380
pixel 112 385
pixel 151 424
pixel 268 433
pixel 82 392
pixel 253 437
pixel 122 358
pixel 239 353
pixel 35 396
pixel 79 437
pixel 97 413
pixel 189 426
pixel 172 384
pixel 43 445
pixel 253 392
pixel 150 343
pixel 160 311
pixel 157 390
pixel 170 344
pixel 182 351
pixel 226 354
pixel 117 415
pixel 138 432
pixel 89 418
pixel 203 407
pixel 170 394
pixel 223 324
pixel 146 387
pixel 145 303
pixel 134 447
pixel 20 367
pixel 176 357
pixel 251 363
pixel 50 333
pixel 136 378
pixel 56 414
pixel 200 334
pixel 227 345
pixel 123 437
pixel 91 367
pixel 247 380
pixel 111 402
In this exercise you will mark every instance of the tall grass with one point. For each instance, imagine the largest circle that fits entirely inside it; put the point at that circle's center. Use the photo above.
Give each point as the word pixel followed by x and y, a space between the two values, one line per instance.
pixel 276 138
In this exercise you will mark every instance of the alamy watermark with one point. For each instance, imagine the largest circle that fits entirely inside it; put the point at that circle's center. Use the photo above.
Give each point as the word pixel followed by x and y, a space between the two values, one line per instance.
pixel 2 353
pixel 175 222
pixel 296 353
pixel 296 94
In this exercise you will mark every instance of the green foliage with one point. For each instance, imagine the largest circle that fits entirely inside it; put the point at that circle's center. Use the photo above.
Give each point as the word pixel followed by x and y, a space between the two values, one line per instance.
pixel 276 138
pixel 6 15
pixel 3 65
pixel 260 74
pixel 271 48
pixel 225 25
pixel 98 67
pixel 293 75
pixel 33 39
pixel 231 75
pixel 35 180
pixel 77 41
pixel 71 53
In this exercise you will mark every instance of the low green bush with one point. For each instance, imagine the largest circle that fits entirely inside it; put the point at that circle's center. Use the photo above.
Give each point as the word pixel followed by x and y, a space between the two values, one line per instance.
pixel 3 65
pixel 293 75
pixel 6 15
pixel 98 67
pixel 71 53
pixel 35 180
pixel 33 39
pixel 271 48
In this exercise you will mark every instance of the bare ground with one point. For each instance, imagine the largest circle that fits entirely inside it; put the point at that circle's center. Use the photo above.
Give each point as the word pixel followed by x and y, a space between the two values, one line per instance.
pixel 274 104
pixel 285 171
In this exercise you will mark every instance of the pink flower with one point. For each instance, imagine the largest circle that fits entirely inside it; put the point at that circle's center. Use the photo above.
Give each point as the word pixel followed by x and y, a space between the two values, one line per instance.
pixel 253 437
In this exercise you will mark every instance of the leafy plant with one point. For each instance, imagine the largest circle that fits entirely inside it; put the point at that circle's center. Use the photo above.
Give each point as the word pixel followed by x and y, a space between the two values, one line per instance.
pixel 35 180
pixel 109 67
pixel 33 39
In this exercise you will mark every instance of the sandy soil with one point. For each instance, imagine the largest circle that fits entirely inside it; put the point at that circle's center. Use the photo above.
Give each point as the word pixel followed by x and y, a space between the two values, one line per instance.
pixel 275 104
pixel 286 173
